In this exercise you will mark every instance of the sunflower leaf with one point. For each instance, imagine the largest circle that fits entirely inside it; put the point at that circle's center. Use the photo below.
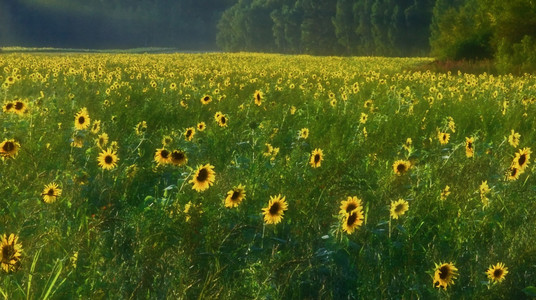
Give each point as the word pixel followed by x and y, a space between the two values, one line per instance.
pixel 530 291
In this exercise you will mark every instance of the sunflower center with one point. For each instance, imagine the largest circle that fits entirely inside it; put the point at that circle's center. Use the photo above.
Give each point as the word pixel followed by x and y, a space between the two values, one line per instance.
pixel 513 172
pixel 9 106
pixel 164 153
pixel 202 175
pixel 317 158
pixel 444 137
pixel 235 195
pixel 469 145
pixel 19 105
pixel 7 253
pixel 497 273
pixel 258 97
pixel 206 98
pixel 399 208
pixel 223 120
pixel 50 192
pixel 351 219
pixel 401 168
pixel 522 159
pixel 188 133
pixel 8 147
pixel 108 159
pixel 350 207
pixel 444 272
pixel 81 120
pixel 177 155
pixel 274 209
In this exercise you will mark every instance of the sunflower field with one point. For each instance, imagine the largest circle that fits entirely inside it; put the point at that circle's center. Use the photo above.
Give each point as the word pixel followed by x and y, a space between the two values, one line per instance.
pixel 245 176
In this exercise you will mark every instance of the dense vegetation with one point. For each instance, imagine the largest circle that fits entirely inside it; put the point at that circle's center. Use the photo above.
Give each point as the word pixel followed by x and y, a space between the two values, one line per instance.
pixel 501 31
pixel 94 206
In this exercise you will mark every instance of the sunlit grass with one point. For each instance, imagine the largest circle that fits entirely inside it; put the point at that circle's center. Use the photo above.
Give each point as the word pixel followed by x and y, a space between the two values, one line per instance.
pixel 147 176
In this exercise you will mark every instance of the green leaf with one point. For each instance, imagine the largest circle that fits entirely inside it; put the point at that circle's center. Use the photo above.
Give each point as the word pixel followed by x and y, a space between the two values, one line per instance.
pixel 530 291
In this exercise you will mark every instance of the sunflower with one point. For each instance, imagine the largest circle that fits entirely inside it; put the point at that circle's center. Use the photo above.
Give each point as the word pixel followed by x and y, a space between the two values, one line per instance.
pixel 401 166
pixel 292 110
pixel 497 273
pixel 206 99
pixel 9 148
pixel 162 156
pixel 352 220
pixel 51 193
pixel 513 139
pixel 217 116
pixel 189 133
pixel 19 107
pixel 363 118
pixel 178 158
pixel 7 107
pixel 444 275
pixel 304 133
pixel 95 128
pixel 522 159
pixel 203 178
pixel 445 193
pixel 108 159
pixel 443 137
pixel 81 119
pixel 166 140
pixel 201 126
pixel 102 140
pixel 235 196
pixel 513 173
pixel 484 191
pixel 223 120
pixel 77 141
pixel 469 147
pixel 275 210
pixel 258 98
pixel 11 253
pixel 399 208
pixel 141 127
pixel 349 205
pixel 316 158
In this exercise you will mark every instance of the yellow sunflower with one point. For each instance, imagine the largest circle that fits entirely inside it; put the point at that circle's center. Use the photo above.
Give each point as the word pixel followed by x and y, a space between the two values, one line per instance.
pixel 178 158
pixel 206 99
pixel 352 221
pixel 51 193
pixel 258 98
pixel 275 210
pixel 363 118
pixel 166 140
pixel 400 167
pixel 443 137
pixel 513 139
pixel 141 127
pixel 19 107
pixel 522 159
pixel 81 119
pixel 316 158
pixel 235 196
pixel 162 156
pixel 444 275
pixel 469 147
pixel 398 208
pixel 497 273
pixel 8 107
pixel 304 133
pixel 203 178
pixel 189 133
pixel 102 140
pixel 108 159
pixel 77 141
pixel 11 252
pixel 95 128
pixel 513 173
pixel 201 126
pixel 9 148
pixel 349 205
pixel 223 120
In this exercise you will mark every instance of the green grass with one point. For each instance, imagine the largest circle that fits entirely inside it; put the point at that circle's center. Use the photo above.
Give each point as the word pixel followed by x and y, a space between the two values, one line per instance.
pixel 141 231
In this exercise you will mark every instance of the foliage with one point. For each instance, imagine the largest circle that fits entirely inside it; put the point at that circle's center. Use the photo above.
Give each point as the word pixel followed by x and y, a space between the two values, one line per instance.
pixel 139 230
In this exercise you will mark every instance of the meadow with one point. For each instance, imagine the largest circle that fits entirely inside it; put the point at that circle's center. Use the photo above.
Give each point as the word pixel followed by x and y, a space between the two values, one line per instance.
pixel 245 176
